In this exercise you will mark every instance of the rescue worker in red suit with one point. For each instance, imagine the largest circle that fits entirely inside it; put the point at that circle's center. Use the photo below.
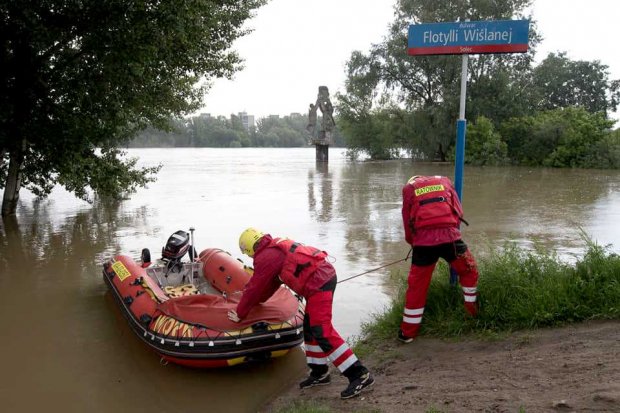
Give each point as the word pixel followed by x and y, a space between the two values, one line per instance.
pixel 306 271
pixel 432 214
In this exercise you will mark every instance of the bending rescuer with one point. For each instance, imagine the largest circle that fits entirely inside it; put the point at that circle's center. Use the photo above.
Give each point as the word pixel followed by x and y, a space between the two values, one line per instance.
pixel 307 272
pixel 432 214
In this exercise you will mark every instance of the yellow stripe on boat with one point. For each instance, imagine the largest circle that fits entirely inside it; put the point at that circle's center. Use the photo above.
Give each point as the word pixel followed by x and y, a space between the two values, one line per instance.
pixel 235 361
pixel 121 271
pixel 235 333
pixel 169 326
pixel 279 353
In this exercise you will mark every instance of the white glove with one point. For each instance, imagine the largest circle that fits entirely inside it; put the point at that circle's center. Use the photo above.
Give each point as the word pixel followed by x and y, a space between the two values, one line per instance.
pixel 232 316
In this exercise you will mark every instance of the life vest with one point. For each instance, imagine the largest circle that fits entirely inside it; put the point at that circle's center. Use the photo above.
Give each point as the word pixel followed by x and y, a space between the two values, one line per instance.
pixel 434 204
pixel 300 263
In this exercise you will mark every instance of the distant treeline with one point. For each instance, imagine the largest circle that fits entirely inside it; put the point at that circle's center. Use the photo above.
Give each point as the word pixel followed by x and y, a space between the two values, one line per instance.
pixel 220 132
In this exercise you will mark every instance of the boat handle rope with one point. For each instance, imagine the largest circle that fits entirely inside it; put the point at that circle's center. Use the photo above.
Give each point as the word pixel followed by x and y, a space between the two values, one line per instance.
pixel 378 268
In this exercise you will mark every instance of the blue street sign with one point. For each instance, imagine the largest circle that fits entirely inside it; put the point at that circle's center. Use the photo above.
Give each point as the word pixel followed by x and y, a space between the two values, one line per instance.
pixel 499 36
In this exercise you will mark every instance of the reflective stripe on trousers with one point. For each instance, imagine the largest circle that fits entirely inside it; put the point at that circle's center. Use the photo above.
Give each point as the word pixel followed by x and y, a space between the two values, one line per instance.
pixel 322 341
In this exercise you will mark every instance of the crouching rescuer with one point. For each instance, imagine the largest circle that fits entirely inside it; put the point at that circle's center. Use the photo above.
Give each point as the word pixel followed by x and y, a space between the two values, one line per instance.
pixel 306 271
pixel 432 214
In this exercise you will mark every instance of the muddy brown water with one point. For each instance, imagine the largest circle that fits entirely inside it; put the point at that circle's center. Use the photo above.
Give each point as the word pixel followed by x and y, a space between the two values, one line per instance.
pixel 64 344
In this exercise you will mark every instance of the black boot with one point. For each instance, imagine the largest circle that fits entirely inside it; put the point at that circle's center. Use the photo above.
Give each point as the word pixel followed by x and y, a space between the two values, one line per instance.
pixel 357 385
pixel 319 376
pixel 312 381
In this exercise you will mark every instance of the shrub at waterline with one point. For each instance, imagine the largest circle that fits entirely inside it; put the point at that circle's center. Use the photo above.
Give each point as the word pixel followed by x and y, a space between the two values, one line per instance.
pixel 518 289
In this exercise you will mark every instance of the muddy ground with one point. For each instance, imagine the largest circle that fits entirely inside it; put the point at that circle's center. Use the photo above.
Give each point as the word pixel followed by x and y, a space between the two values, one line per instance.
pixel 568 369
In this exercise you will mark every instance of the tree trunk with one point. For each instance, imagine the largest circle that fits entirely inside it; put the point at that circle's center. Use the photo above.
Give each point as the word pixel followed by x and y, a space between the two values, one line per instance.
pixel 13 180
pixel 441 154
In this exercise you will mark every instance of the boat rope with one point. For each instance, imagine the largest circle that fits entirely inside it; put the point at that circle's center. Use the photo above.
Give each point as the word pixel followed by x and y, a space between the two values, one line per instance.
pixel 378 268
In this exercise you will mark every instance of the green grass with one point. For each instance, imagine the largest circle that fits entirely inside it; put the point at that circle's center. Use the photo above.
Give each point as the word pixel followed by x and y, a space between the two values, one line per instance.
pixel 518 289
pixel 305 407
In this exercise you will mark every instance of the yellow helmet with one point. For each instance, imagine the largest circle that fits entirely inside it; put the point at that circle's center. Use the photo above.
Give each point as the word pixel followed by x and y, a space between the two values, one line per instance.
pixel 413 178
pixel 248 240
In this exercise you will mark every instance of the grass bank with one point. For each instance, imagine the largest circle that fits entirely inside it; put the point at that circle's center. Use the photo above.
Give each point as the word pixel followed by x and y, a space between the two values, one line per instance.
pixel 518 289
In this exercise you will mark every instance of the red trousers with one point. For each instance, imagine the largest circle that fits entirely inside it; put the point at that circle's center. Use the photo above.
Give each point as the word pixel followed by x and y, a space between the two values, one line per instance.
pixel 322 342
pixel 423 262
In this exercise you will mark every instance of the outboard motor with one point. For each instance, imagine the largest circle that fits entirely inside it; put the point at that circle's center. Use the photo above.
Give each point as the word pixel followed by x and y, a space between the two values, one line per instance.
pixel 176 247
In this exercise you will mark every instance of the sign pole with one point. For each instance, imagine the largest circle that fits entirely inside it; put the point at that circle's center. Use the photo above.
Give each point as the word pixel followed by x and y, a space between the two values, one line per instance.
pixel 461 127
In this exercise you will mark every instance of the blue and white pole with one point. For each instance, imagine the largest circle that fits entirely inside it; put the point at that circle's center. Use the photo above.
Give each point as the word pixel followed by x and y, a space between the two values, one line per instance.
pixel 461 127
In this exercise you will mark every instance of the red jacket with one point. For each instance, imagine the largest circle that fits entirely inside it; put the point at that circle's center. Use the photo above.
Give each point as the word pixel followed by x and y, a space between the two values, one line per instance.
pixel 300 264
pixel 439 231
pixel 269 262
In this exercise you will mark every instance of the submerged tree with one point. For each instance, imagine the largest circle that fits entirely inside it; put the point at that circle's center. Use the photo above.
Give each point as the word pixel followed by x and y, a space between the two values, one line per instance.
pixel 80 77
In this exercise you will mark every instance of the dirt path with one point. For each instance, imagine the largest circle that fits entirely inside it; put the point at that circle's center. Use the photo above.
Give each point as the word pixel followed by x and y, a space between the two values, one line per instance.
pixel 569 369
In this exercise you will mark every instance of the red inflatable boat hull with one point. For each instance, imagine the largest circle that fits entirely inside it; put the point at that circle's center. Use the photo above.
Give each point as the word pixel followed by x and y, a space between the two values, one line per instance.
pixel 194 330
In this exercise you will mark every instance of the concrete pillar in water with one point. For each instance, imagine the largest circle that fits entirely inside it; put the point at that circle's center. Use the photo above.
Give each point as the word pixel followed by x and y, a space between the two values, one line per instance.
pixel 322 152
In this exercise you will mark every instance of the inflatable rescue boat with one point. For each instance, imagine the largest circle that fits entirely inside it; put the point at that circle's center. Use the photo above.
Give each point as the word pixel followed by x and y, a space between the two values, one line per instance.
pixel 179 309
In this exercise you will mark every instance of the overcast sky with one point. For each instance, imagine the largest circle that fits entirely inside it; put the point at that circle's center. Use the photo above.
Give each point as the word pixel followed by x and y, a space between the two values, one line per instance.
pixel 296 46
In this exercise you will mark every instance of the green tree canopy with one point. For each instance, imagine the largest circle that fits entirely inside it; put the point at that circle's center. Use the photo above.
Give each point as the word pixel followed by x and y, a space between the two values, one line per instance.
pixel 80 77
pixel 484 144
pixel 429 86
pixel 553 114
pixel 564 137
pixel 560 82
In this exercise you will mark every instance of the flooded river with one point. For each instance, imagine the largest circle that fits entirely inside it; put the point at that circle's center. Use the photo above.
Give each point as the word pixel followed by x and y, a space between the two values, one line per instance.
pixel 64 344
